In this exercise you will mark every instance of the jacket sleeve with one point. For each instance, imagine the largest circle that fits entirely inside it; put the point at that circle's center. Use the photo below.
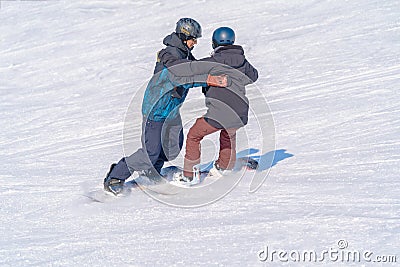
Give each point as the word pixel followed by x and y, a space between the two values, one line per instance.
pixel 201 67
pixel 250 71
pixel 187 81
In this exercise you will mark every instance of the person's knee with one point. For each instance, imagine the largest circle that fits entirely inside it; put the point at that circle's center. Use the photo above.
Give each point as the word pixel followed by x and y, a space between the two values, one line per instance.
pixel 172 151
pixel 194 135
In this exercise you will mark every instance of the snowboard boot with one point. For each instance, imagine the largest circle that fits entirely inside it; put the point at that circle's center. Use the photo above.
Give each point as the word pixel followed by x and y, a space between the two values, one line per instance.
pixel 113 185
pixel 216 171
pixel 182 179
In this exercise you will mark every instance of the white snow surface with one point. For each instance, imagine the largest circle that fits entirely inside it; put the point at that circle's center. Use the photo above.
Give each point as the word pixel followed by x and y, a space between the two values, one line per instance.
pixel 330 71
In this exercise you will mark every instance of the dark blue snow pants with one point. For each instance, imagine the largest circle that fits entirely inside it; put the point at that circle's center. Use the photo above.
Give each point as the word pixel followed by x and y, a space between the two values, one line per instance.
pixel 161 142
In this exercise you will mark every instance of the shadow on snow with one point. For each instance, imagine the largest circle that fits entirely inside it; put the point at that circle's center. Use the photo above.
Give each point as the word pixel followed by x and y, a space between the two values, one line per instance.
pixel 265 161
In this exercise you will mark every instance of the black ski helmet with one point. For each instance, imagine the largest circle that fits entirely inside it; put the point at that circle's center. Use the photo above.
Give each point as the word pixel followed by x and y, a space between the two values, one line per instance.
pixel 188 28
pixel 223 36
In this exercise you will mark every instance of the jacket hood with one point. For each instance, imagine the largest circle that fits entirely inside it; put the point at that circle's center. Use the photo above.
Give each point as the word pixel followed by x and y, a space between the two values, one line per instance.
pixel 231 55
pixel 173 40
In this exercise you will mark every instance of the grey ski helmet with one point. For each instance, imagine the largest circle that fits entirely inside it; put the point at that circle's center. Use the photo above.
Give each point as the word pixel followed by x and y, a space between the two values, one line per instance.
pixel 188 28
pixel 223 36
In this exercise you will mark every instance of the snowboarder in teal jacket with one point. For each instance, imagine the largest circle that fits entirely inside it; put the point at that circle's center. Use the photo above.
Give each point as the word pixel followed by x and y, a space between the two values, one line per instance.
pixel 163 97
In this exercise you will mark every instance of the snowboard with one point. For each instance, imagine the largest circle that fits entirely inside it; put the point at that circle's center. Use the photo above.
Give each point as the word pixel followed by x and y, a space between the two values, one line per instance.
pixel 170 187
pixel 167 186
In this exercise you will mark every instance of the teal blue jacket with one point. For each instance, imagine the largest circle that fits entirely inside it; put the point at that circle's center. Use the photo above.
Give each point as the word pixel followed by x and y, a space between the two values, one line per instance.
pixel 166 92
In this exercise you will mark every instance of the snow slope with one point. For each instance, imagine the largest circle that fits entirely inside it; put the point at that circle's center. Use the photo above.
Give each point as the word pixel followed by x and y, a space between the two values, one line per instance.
pixel 330 71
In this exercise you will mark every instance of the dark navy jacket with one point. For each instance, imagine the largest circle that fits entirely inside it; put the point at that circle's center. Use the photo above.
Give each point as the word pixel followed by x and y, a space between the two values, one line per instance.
pixel 236 104
pixel 176 52
pixel 226 107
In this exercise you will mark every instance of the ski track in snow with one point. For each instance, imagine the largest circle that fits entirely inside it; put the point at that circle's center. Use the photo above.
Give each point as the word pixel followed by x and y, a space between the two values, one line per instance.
pixel 330 71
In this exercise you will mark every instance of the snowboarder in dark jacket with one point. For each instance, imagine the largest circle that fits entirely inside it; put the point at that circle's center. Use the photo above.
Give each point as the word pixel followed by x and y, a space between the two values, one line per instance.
pixel 160 109
pixel 227 108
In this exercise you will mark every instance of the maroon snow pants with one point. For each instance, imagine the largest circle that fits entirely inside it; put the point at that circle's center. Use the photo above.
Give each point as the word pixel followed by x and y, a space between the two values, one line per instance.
pixel 227 151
